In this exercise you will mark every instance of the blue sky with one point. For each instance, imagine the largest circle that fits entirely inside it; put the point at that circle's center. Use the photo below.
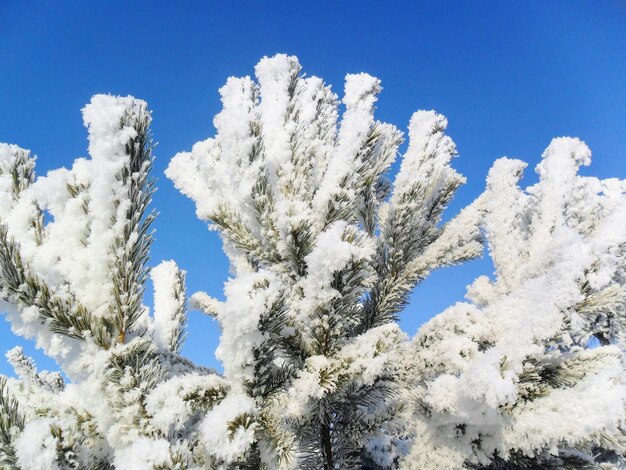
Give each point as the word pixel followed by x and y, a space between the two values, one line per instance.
pixel 509 77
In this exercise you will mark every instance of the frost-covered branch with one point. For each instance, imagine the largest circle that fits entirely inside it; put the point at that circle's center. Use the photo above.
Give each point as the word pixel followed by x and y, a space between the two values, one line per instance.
pixel 512 380
pixel 74 282
pixel 324 252
pixel 11 423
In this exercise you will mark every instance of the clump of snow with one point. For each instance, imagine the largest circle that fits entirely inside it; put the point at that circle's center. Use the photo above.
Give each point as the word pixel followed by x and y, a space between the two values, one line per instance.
pixel 220 436
pixel 36 447
pixel 168 302
pixel 171 404
pixel 430 150
pixel 144 454
pixel 251 293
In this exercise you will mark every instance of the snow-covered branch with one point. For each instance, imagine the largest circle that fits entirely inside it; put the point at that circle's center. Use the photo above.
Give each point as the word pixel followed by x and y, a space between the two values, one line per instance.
pixel 326 244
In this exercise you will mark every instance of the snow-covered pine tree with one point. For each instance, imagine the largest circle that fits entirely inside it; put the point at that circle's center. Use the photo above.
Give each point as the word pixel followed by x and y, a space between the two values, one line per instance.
pixel 324 251
pixel 530 374
pixel 73 252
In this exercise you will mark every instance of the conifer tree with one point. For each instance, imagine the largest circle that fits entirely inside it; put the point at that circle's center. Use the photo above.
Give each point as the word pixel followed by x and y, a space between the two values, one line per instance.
pixel 530 374
pixel 324 250
pixel 74 247
pixel 326 242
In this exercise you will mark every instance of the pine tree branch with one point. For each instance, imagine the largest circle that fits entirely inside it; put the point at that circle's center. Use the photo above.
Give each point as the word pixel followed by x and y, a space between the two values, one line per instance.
pixel 133 246
pixel 11 423
pixel 66 316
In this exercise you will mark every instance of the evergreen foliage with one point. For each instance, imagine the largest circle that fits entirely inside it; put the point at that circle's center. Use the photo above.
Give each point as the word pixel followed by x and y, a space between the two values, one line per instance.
pixel 326 244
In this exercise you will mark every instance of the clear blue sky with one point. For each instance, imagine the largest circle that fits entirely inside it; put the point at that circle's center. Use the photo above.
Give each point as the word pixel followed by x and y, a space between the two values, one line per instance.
pixel 508 75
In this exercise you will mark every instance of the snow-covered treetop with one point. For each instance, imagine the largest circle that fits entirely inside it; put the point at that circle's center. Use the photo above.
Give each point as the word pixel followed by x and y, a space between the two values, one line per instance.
pixel 283 165
pixel 65 259
pixel 325 245
pixel 324 249
pixel 74 247
pixel 515 374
